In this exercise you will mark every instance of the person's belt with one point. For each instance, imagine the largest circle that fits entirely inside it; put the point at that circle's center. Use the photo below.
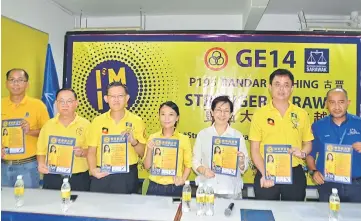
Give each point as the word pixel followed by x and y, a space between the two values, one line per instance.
pixel 19 162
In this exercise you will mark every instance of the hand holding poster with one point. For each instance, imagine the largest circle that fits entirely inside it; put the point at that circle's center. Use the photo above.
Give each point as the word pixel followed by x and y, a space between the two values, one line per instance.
pixel 114 154
pixel 165 157
pixel 224 155
pixel 278 163
pixel 13 138
pixel 60 156
pixel 338 161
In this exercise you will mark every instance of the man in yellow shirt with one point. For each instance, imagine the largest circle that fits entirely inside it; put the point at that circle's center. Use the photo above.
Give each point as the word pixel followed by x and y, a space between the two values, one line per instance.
pixel 280 122
pixel 70 125
pixel 34 114
pixel 117 121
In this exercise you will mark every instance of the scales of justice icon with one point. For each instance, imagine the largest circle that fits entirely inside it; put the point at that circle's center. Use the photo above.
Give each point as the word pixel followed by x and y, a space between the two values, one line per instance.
pixel 321 60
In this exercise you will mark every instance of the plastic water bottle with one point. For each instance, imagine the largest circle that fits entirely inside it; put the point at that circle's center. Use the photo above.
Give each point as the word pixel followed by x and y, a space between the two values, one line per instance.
pixel 186 197
pixel 209 200
pixel 65 195
pixel 334 205
pixel 200 198
pixel 19 191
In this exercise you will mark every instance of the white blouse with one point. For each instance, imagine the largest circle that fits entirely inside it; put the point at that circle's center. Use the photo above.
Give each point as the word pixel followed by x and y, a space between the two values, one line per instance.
pixel 202 156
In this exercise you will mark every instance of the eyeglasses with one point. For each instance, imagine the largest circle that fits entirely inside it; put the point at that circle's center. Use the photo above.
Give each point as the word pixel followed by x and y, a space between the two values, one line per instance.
pixel 17 81
pixel 63 102
pixel 116 97
pixel 219 111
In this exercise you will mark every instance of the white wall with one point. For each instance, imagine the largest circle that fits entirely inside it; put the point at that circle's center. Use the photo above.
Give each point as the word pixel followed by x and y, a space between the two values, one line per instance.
pixel 168 22
pixel 279 22
pixel 44 16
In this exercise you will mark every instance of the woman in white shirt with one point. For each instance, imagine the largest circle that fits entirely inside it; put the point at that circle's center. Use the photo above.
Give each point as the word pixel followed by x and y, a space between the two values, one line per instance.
pixel 223 185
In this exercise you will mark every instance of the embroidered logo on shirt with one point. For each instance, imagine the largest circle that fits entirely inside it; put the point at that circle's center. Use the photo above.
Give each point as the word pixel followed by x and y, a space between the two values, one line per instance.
pixel 294 120
pixel 79 131
pixel 353 131
pixel 270 121
pixel 105 130
pixel 128 126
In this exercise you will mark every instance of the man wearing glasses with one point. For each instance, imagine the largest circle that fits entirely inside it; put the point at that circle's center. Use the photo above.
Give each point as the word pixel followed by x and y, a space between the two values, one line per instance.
pixel 117 121
pixel 65 124
pixel 34 114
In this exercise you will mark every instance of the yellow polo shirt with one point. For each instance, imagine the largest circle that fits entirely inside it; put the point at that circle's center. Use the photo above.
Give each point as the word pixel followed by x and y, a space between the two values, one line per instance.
pixel 291 129
pixel 53 159
pixel 184 156
pixel 271 169
pixel 330 166
pixel 104 121
pixel 32 110
pixel 217 158
pixel 107 158
pixel 76 129
pixel 157 159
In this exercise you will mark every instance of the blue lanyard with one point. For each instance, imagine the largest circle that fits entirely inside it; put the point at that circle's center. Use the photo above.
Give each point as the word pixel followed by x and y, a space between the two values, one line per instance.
pixel 335 131
pixel 343 136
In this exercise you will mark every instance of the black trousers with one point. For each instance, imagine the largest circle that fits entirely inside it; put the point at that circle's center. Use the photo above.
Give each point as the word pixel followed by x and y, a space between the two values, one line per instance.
pixel 286 192
pixel 125 183
pixel 164 190
pixel 78 181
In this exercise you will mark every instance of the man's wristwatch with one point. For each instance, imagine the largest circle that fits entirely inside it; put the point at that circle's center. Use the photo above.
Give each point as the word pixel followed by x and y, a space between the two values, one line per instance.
pixel 311 172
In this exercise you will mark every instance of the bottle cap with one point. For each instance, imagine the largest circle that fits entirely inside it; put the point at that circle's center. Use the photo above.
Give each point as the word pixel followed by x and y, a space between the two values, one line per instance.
pixel 65 180
pixel 334 191
pixel 187 182
pixel 19 177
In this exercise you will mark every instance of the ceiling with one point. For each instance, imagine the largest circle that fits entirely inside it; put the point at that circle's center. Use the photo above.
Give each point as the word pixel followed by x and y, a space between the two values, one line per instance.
pixel 160 7
pixel 151 7
pixel 314 7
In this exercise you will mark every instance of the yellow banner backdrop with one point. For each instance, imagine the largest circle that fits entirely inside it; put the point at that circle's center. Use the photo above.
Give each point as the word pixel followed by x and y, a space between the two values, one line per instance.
pixel 193 69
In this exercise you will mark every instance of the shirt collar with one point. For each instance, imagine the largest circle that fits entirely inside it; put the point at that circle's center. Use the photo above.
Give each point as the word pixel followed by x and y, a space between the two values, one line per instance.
pixel 271 107
pixel 107 114
pixel 22 102
pixel 175 133
pixel 228 131
pixel 73 122
pixel 343 123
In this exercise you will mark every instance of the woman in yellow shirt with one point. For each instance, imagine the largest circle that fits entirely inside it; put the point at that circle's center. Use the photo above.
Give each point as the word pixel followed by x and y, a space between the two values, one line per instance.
pixel 5 138
pixel 271 166
pixel 157 159
pixel 217 158
pixel 330 165
pixel 107 158
pixel 52 158
pixel 169 185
